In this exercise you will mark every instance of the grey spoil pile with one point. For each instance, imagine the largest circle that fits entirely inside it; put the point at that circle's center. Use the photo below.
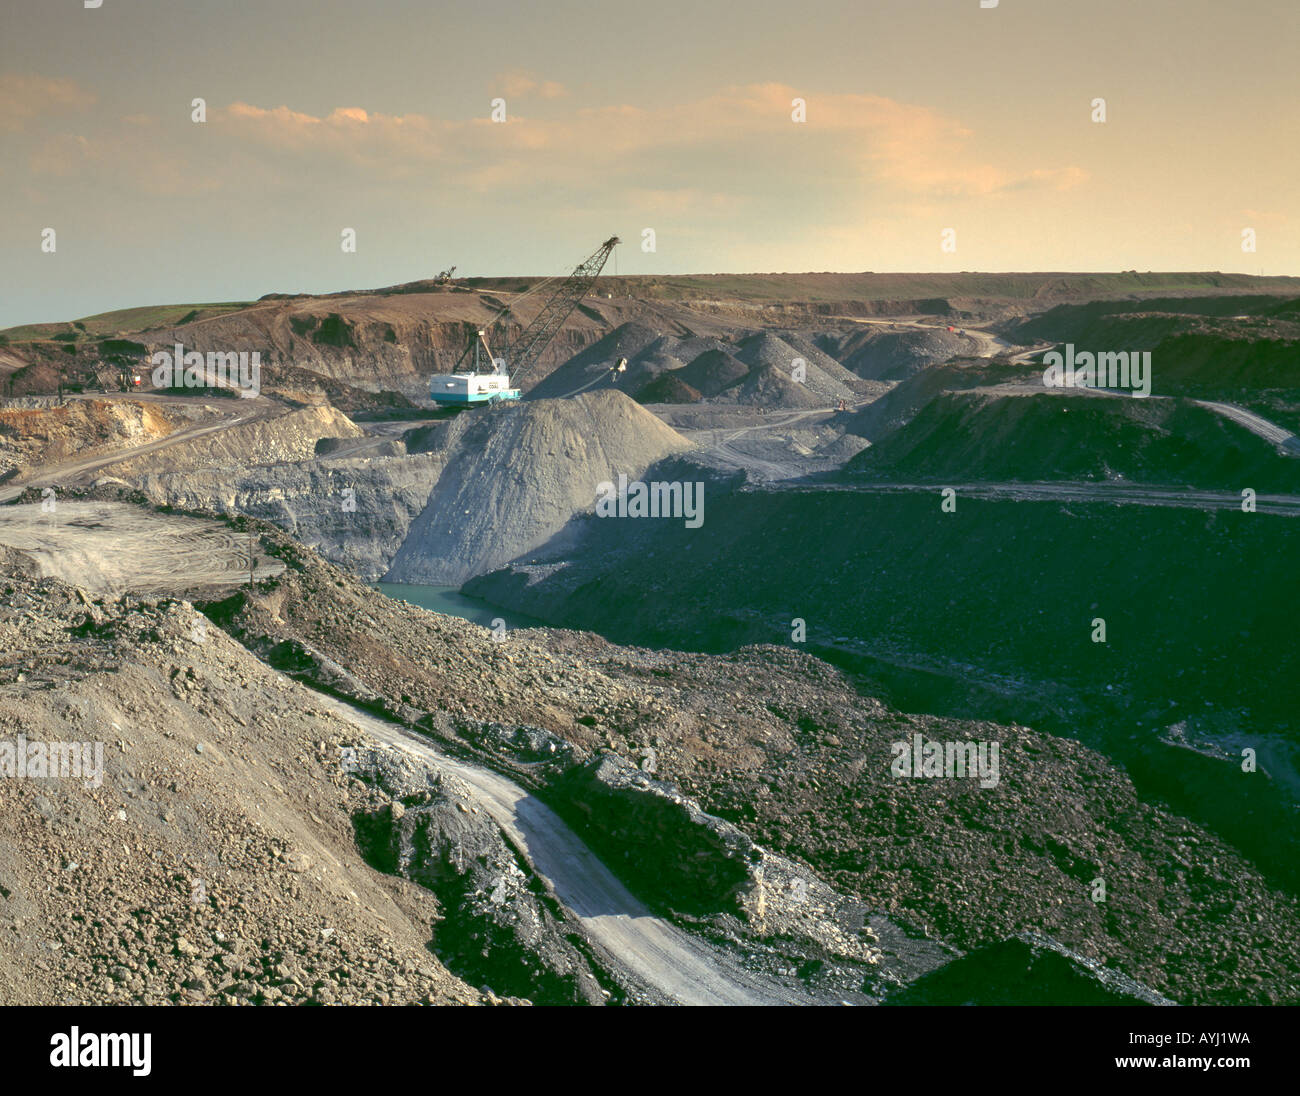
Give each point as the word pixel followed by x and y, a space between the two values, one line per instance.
pixel 759 369
pixel 514 476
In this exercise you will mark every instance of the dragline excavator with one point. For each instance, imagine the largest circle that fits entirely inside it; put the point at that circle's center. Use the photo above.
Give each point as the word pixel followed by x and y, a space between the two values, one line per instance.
pixel 483 374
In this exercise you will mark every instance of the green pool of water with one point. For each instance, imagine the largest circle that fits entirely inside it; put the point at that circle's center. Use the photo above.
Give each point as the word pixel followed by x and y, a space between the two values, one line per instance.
pixel 449 600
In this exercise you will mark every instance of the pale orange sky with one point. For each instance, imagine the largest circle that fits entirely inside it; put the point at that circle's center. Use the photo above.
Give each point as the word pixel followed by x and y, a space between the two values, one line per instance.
pixel 921 115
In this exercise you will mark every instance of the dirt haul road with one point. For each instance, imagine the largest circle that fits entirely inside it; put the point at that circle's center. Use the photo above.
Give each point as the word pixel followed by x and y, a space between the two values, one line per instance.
pixel 1114 493
pixel 1257 425
pixel 79 472
pixel 655 952
pixel 989 345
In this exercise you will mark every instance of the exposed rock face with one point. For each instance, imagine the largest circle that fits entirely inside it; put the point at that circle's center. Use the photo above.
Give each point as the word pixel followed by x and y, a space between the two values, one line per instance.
pixel 35 430
pixel 515 475
pixel 698 863
pixel 485 488
pixel 374 341
pixel 288 437
pixel 301 468
pixel 499 926
pixel 360 530
pixel 677 856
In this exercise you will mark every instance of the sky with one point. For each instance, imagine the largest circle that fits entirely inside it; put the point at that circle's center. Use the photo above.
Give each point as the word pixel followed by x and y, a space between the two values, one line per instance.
pixel 924 122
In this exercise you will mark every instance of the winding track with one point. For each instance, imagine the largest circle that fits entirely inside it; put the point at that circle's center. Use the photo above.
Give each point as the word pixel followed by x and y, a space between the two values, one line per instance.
pixel 1286 441
pixel 1065 491
pixel 79 472
pixel 679 966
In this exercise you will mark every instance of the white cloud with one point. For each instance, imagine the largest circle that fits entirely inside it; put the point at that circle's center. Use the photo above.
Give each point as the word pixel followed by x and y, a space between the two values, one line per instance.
pixel 24 98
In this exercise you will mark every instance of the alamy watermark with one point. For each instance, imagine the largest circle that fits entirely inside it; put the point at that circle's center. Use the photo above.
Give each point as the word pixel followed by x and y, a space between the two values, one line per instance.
pixel 103 1050
pixel 24 760
pixel 1106 369
pixel 217 369
pixel 638 499
pixel 920 758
